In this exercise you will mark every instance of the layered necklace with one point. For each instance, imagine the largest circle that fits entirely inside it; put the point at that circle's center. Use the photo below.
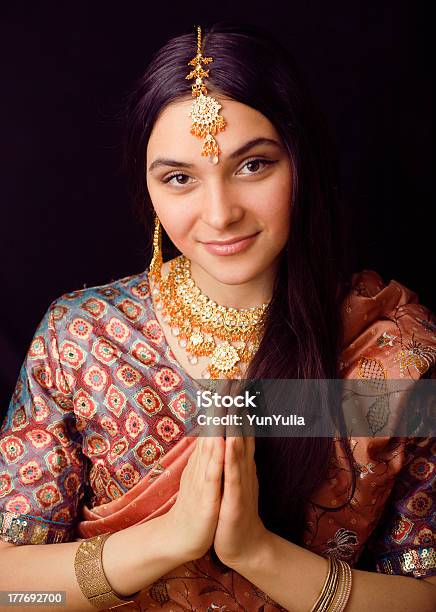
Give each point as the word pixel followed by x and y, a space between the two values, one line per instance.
pixel 198 322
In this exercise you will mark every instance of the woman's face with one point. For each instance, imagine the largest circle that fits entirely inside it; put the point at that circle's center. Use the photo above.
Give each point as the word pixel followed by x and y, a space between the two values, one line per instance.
pixel 246 194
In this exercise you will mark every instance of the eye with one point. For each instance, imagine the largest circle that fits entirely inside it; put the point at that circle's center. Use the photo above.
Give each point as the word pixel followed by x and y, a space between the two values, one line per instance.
pixel 182 179
pixel 256 164
pixel 179 179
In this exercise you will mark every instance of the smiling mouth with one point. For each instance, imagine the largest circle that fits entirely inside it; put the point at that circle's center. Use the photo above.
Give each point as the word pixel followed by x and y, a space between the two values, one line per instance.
pixel 232 246
pixel 230 240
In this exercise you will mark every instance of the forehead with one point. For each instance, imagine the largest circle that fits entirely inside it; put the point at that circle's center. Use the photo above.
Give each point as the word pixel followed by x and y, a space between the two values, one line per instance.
pixel 171 132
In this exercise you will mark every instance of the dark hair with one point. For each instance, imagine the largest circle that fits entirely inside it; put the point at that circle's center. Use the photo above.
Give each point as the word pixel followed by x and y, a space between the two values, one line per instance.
pixel 303 331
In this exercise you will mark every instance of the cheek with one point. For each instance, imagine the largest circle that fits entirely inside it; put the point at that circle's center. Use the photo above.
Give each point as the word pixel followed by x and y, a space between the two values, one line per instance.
pixel 271 202
pixel 171 211
pixel 176 220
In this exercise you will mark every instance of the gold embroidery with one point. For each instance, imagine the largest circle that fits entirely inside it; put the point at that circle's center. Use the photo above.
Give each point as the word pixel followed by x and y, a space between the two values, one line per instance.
pixel 417 562
pixel 25 529
pixel 416 355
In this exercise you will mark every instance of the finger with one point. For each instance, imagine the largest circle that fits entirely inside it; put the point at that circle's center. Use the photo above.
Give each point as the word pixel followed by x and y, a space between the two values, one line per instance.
pixel 237 440
pixel 195 460
pixel 232 471
pixel 198 445
pixel 210 424
pixel 205 443
pixel 204 451
pixel 250 447
pixel 210 454
pixel 215 466
pixel 192 459
pixel 233 450
pixel 248 429
pixel 235 412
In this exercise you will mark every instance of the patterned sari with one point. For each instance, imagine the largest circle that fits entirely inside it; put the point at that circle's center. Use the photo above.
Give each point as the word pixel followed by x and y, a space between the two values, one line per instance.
pixel 116 455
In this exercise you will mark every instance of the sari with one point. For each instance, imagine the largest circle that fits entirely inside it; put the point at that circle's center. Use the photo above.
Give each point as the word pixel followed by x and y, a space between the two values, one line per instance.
pixel 203 584
pixel 95 441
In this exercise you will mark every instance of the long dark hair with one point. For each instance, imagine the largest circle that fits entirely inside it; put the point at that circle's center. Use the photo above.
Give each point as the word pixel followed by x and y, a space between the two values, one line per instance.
pixel 303 334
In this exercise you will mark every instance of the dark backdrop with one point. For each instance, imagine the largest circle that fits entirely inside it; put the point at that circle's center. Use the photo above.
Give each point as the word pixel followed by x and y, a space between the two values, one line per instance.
pixel 66 219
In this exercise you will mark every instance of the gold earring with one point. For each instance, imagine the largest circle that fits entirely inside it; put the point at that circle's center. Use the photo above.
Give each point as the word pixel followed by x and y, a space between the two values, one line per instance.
pixel 156 261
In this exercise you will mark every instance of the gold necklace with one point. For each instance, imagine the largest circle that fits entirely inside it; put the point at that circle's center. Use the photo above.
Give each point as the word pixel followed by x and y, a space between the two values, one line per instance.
pixel 197 320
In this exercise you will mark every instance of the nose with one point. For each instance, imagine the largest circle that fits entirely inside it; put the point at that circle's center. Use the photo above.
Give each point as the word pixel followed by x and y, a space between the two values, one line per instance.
pixel 220 207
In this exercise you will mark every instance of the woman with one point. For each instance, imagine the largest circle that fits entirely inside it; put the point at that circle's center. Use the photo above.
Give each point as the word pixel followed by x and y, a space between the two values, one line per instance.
pixel 95 441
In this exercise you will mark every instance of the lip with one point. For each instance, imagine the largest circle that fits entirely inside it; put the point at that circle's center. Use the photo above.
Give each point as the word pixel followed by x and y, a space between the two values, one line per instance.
pixel 231 246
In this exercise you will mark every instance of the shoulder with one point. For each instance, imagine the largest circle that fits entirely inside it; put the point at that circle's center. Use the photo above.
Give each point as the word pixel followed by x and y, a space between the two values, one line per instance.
pixel 386 326
pixel 370 285
pixel 128 297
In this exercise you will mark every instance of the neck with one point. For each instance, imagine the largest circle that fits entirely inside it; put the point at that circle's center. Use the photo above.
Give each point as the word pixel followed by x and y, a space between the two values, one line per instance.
pixel 248 294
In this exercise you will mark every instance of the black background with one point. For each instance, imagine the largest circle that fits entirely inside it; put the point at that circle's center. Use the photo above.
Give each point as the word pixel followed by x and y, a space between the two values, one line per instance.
pixel 66 66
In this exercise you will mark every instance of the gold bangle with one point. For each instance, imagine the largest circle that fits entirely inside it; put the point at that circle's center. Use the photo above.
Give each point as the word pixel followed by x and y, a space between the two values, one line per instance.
pixel 332 588
pixel 329 588
pixel 344 589
pixel 314 608
pixel 91 577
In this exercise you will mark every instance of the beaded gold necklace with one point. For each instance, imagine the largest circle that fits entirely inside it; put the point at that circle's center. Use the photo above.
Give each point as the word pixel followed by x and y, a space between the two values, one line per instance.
pixel 197 320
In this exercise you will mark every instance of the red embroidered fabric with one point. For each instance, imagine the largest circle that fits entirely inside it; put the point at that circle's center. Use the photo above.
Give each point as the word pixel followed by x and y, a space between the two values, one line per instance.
pixel 100 399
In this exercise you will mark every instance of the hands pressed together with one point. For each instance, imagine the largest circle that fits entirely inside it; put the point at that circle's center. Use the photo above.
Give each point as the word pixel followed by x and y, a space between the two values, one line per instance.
pixel 217 501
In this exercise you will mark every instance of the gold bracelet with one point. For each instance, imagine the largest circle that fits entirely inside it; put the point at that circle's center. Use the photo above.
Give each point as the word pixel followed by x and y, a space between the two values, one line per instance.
pixel 314 608
pixel 91 577
pixel 329 588
pixel 344 589
pixel 332 587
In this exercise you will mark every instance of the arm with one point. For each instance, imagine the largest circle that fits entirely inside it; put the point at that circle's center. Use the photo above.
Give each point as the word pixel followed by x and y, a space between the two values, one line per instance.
pixel 290 574
pixel 137 556
pixel 294 576
pixel 133 559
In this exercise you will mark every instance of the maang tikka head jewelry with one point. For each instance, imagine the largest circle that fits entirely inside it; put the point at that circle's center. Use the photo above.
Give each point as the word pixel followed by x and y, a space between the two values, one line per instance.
pixel 206 120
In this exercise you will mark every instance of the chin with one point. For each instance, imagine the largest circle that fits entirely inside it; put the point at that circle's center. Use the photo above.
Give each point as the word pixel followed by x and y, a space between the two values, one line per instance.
pixel 233 272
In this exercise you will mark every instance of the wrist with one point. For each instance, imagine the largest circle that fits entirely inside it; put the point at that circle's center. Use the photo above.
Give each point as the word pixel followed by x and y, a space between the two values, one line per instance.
pixel 173 544
pixel 256 555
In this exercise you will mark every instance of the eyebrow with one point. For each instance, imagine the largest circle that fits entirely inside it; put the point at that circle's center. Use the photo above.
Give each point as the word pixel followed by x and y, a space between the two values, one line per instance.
pixel 161 161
